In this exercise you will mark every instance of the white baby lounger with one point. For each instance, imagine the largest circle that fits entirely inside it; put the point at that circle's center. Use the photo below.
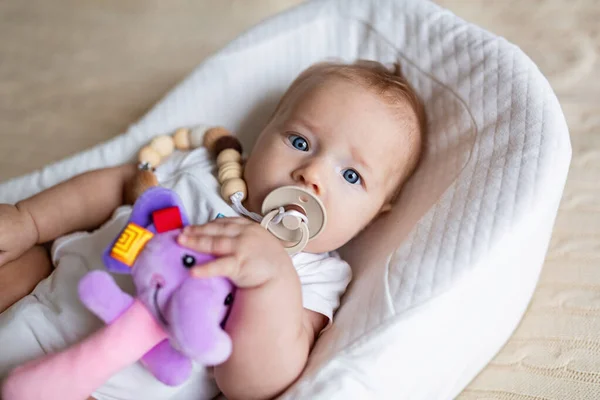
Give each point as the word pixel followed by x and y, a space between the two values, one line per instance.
pixel 441 282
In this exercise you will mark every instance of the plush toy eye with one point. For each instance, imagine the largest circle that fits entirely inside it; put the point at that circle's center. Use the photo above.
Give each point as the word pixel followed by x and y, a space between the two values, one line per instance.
pixel 229 299
pixel 188 261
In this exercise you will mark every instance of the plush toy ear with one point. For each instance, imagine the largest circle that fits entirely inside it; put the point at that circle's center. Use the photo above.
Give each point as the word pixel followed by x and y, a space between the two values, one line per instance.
pixel 157 210
pixel 155 199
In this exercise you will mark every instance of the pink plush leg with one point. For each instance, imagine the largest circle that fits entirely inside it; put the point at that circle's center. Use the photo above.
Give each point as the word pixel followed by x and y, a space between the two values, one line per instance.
pixel 75 373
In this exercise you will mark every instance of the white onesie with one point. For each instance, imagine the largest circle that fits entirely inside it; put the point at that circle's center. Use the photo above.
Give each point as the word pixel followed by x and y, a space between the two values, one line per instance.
pixel 52 317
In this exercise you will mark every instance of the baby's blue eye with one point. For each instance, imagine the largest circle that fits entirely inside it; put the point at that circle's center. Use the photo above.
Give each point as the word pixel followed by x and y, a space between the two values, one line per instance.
pixel 351 176
pixel 299 142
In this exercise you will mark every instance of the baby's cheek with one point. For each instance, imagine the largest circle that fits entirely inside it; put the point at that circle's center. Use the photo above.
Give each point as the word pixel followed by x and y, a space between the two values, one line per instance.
pixel 343 227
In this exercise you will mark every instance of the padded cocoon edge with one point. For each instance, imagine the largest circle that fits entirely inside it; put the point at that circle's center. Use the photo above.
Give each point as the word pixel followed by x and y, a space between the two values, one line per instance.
pixel 443 279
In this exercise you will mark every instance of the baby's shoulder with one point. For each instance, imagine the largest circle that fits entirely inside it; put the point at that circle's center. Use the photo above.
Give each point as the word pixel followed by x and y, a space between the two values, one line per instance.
pixel 321 264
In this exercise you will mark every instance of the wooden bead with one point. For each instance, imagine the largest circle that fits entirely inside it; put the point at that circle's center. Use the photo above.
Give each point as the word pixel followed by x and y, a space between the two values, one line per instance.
pixel 229 171
pixel 141 181
pixel 228 188
pixel 226 175
pixel 197 136
pixel 149 155
pixel 227 142
pixel 163 145
pixel 212 135
pixel 231 165
pixel 228 155
pixel 181 138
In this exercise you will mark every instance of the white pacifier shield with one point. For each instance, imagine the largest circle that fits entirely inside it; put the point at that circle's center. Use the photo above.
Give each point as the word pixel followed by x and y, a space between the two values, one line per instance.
pixel 288 228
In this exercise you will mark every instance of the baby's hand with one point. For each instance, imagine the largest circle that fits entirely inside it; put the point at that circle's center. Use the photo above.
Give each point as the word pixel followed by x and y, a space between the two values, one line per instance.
pixel 17 233
pixel 248 254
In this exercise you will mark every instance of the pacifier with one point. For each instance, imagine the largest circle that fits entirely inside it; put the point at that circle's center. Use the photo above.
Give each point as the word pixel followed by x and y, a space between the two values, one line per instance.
pixel 294 215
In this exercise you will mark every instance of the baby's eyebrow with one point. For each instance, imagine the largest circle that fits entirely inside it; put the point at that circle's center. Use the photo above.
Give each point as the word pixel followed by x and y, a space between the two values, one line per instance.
pixel 305 123
pixel 355 152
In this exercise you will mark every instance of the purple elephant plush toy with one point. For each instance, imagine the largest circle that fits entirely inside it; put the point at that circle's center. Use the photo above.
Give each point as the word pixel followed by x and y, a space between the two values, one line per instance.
pixel 173 319
pixel 191 311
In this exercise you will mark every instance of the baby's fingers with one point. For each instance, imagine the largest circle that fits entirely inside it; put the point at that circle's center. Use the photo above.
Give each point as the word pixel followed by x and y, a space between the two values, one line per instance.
pixel 218 221
pixel 216 245
pixel 230 229
pixel 224 266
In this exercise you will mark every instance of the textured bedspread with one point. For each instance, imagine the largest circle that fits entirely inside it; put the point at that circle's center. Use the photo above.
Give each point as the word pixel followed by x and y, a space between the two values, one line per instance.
pixel 75 73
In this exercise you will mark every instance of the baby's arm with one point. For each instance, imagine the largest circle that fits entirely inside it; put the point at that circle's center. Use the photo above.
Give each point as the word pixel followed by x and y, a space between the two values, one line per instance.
pixel 19 277
pixel 81 203
pixel 271 331
pixel 272 336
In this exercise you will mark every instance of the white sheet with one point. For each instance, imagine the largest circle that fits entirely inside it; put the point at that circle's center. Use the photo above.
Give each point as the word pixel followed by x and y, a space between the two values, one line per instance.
pixel 443 280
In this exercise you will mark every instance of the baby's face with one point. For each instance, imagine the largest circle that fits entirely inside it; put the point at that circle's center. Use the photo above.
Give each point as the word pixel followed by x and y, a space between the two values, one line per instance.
pixel 338 140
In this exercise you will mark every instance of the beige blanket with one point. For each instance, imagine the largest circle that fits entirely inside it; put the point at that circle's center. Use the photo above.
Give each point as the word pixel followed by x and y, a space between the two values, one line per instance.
pixel 75 73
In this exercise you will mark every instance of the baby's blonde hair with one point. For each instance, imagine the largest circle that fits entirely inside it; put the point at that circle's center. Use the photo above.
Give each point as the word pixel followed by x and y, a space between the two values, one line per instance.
pixel 391 85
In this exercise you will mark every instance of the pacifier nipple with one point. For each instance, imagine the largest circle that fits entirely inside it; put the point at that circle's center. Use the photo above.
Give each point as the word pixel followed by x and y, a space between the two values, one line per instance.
pixel 294 215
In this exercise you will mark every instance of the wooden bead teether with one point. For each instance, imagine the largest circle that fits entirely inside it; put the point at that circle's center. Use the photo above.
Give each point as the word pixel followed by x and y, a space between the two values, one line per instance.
pixel 148 155
pixel 197 136
pixel 181 139
pixel 225 147
pixel 227 142
pixel 228 171
pixel 142 181
pixel 163 145
pixel 228 152
pixel 212 135
pixel 227 156
pixel 232 186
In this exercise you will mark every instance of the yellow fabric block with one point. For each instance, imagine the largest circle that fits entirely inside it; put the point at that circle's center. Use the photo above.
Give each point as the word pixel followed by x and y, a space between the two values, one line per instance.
pixel 130 243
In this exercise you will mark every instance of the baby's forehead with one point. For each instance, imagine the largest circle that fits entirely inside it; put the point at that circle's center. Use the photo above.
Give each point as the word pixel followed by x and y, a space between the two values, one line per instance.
pixel 332 86
pixel 387 151
pixel 366 117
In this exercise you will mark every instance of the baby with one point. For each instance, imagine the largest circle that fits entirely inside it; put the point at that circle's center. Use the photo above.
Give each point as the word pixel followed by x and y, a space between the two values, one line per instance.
pixel 351 134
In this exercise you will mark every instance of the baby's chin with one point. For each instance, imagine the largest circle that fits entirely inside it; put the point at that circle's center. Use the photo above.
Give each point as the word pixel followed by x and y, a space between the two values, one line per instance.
pixel 323 244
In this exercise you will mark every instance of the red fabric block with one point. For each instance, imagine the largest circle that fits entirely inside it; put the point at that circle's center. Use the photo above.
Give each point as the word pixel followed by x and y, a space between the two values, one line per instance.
pixel 167 219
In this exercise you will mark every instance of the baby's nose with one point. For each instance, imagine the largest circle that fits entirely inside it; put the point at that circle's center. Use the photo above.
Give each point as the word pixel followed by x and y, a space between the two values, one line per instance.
pixel 309 178
pixel 315 187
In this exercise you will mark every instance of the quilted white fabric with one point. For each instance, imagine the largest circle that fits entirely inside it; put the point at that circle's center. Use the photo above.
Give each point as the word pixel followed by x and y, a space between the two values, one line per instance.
pixel 442 281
